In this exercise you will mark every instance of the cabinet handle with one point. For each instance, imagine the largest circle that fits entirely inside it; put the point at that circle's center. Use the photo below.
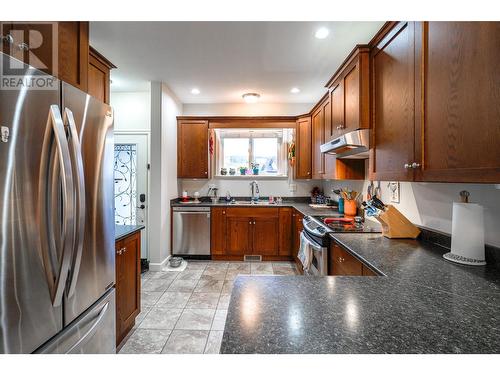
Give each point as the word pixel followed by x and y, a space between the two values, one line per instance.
pixel 250 222
pixel 341 259
pixel 308 172
pixel 415 165
pixel 206 172
pixel 407 166
pixel 223 212
pixel 254 223
pixel 7 39
pixel 124 249
pixel 24 46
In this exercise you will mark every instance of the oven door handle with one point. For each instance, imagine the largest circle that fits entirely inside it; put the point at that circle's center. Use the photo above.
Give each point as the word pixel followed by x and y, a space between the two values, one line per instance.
pixel 313 245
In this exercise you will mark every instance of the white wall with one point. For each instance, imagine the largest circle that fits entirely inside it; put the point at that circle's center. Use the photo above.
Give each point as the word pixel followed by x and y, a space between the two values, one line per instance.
pixel 132 110
pixel 244 109
pixel 430 204
pixel 165 107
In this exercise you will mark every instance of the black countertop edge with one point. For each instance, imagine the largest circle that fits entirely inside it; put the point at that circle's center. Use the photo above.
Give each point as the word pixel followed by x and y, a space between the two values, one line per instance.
pixel 222 200
pixel 122 231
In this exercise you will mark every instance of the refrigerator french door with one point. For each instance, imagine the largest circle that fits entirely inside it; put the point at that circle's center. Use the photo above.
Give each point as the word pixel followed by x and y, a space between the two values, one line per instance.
pixel 56 218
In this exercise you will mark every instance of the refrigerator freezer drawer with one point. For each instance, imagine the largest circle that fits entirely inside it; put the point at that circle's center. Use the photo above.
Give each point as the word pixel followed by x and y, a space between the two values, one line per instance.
pixel 92 333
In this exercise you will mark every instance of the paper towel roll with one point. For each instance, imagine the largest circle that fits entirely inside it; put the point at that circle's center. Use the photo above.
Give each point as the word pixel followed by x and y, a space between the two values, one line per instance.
pixel 467 231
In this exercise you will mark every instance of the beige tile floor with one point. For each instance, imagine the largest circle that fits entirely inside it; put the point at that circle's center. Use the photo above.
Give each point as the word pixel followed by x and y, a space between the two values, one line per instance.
pixel 185 312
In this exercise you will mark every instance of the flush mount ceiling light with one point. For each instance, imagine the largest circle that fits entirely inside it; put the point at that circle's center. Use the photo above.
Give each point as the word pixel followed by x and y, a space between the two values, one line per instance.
pixel 295 90
pixel 195 91
pixel 251 97
pixel 322 33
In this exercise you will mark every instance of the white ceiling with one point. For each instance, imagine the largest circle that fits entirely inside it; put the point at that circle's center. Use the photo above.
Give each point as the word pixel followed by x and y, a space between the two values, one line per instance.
pixel 226 59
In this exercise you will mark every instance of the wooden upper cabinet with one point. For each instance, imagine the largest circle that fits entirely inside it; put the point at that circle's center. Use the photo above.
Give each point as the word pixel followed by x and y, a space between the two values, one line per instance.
pixel 393 100
pixel 57 48
pixel 192 149
pixel 99 76
pixel 303 148
pixel 318 138
pixel 458 112
pixel 350 92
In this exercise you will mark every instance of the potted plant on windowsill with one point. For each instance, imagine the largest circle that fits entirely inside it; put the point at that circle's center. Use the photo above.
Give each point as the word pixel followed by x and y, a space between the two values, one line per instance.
pixel 243 171
pixel 255 168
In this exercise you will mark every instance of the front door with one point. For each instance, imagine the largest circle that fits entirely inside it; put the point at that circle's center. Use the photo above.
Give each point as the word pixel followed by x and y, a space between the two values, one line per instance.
pixel 131 183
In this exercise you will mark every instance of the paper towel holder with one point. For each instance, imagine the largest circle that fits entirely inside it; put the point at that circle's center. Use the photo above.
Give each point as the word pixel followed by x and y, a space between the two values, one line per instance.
pixel 472 255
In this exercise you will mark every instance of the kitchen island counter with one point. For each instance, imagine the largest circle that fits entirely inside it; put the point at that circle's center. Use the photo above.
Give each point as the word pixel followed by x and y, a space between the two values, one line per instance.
pixel 423 304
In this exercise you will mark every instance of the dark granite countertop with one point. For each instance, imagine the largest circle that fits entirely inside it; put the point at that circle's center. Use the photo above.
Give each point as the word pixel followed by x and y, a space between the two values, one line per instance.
pixel 122 231
pixel 301 204
pixel 423 304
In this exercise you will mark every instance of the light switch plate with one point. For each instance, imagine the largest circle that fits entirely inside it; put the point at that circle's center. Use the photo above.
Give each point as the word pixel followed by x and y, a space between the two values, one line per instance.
pixel 394 191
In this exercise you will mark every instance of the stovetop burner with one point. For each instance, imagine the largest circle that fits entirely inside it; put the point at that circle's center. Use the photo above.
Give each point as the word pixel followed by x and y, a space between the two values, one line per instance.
pixel 341 226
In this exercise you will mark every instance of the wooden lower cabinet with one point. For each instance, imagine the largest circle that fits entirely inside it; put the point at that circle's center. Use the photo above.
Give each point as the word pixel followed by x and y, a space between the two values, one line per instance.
pixel 240 231
pixel 128 283
pixel 342 263
pixel 239 235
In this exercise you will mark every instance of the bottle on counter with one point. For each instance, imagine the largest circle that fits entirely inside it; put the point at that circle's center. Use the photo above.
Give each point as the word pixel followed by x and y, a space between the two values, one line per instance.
pixel 341 205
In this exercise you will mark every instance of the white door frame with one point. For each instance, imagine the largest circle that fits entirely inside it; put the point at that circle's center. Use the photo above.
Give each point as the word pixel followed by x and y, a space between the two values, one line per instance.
pixel 147 133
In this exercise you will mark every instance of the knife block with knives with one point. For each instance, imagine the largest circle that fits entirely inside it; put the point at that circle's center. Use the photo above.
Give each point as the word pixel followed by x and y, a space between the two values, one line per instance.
pixel 396 225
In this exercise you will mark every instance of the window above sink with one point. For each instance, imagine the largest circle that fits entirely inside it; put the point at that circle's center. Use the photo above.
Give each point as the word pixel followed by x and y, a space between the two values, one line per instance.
pixel 251 153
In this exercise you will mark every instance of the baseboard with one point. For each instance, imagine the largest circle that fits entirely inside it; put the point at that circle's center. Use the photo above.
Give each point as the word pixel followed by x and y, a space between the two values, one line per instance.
pixel 157 267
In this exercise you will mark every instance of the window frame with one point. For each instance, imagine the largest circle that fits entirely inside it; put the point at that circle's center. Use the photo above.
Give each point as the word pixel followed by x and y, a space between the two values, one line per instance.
pixel 253 134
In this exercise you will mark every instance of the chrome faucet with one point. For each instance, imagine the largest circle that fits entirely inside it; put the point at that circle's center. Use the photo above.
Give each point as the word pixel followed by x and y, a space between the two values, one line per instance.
pixel 254 186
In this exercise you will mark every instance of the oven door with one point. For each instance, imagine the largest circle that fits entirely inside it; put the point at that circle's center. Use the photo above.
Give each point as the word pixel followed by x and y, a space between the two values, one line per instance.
pixel 319 256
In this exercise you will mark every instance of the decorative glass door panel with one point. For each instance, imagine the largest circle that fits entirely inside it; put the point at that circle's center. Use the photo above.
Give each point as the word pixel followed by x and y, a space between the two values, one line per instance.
pixel 125 170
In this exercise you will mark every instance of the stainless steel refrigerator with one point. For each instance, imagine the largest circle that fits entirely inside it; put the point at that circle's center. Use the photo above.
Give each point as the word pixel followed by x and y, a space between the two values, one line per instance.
pixel 57 261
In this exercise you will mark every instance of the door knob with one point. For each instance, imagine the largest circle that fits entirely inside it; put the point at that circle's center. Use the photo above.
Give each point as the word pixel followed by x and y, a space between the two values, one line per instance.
pixel 142 207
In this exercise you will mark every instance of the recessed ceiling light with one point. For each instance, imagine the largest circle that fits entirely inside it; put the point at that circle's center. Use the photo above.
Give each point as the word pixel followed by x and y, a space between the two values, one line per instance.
pixel 251 97
pixel 322 33
pixel 295 90
pixel 195 91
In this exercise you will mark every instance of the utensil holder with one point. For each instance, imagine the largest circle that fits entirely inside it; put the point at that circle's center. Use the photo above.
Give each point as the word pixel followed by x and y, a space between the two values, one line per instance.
pixel 350 207
pixel 396 225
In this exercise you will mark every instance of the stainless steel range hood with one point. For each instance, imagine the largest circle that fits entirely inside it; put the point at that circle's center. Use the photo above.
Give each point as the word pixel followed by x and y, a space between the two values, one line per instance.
pixel 352 145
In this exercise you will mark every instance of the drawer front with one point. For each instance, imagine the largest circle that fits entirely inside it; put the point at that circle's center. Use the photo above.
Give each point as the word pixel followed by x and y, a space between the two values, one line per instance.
pixel 252 212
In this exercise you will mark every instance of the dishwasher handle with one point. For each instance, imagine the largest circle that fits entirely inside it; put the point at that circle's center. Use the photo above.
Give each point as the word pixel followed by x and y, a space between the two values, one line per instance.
pixel 191 209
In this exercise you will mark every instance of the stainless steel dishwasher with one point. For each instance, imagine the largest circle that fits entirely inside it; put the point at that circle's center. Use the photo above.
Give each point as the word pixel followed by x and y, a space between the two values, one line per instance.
pixel 191 231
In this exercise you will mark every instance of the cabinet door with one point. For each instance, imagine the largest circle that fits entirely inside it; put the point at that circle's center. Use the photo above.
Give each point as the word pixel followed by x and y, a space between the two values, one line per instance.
pixel 192 149
pixel 393 104
pixel 458 121
pixel 343 263
pixel 351 99
pixel 337 105
pixel 317 140
pixel 328 160
pixel 218 231
pixel 265 235
pixel 74 54
pixel 285 231
pixel 128 285
pixel 303 148
pixel 238 235
pixel 98 80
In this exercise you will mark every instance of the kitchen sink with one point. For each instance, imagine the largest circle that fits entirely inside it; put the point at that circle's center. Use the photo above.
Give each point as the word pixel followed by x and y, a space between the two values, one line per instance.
pixel 258 203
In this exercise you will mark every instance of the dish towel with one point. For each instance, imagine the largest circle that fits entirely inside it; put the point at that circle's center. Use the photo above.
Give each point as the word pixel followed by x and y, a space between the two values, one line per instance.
pixel 305 253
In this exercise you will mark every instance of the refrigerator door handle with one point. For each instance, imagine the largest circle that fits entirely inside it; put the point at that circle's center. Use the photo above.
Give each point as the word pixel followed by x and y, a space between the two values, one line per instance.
pixel 91 330
pixel 56 266
pixel 80 204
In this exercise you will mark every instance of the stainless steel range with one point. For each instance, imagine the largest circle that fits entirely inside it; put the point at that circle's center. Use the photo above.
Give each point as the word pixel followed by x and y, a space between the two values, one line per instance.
pixel 316 235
